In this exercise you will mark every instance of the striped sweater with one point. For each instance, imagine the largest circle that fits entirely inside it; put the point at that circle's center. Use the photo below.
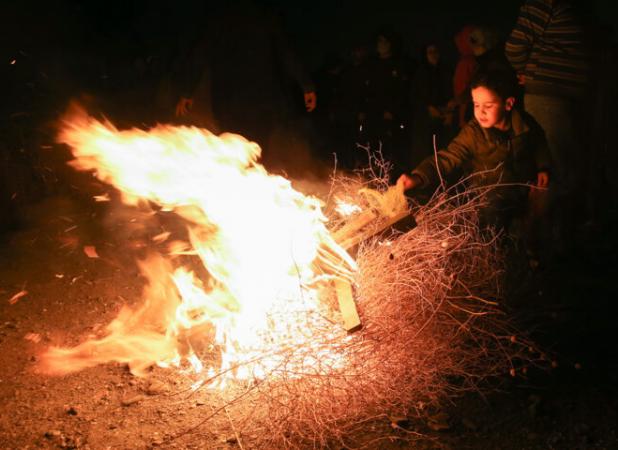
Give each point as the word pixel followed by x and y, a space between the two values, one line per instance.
pixel 547 47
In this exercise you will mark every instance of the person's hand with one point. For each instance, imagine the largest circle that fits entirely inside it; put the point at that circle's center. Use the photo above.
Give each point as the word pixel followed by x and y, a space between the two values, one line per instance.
pixel 183 106
pixel 388 115
pixel 408 181
pixel 521 79
pixel 542 179
pixel 310 101
pixel 434 112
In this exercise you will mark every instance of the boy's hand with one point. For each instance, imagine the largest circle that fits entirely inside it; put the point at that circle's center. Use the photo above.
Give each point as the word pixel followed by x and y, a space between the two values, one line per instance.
pixel 408 182
pixel 542 179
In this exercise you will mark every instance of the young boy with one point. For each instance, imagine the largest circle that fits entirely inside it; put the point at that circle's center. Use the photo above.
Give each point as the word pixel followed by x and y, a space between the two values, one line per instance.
pixel 500 146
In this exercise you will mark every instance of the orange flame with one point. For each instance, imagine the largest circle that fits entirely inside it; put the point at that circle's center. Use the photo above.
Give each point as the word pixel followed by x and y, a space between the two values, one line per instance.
pixel 259 240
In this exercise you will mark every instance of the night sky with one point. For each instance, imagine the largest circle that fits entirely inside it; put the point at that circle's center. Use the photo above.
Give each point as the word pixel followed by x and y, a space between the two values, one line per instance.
pixel 315 28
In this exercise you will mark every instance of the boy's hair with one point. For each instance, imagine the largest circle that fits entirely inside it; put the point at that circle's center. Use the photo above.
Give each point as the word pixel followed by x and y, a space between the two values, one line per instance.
pixel 502 82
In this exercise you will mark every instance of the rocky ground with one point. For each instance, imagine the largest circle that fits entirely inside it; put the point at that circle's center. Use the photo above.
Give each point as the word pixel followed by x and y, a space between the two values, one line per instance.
pixel 53 293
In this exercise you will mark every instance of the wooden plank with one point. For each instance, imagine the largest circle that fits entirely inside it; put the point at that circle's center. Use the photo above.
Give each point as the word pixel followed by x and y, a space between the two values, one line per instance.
pixel 355 239
pixel 347 306
pixel 351 228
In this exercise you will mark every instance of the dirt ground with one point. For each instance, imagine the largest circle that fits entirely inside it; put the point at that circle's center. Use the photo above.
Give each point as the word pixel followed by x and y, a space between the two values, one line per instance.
pixel 568 305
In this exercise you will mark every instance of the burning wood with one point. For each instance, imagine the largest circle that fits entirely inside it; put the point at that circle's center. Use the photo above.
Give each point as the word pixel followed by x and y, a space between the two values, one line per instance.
pixel 351 321
pixel 386 209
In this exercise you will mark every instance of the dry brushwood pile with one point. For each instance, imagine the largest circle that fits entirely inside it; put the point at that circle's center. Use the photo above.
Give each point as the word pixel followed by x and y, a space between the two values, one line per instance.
pixel 429 300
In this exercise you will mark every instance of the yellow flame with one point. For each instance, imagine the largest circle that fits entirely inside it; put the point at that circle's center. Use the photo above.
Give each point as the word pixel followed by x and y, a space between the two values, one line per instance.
pixel 257 238
pixel 344 208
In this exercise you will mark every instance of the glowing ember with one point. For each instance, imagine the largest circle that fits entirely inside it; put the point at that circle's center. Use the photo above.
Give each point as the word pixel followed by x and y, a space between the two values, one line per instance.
pixel 263 245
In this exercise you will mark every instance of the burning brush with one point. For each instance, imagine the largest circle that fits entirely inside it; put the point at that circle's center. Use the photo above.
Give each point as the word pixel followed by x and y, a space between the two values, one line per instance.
pixel 262 324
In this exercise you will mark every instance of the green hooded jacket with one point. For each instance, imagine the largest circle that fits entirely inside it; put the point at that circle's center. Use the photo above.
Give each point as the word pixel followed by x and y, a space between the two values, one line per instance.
pixel 515 156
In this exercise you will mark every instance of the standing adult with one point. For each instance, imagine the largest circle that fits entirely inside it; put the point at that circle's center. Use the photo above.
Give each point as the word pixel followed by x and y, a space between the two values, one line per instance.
pixel 431 90
pixel 239 71
pixel 387 119
pixel 547 49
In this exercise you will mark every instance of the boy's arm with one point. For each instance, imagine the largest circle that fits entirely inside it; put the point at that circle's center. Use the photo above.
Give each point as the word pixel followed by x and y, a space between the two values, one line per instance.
pixel 449 159
pixel 533 16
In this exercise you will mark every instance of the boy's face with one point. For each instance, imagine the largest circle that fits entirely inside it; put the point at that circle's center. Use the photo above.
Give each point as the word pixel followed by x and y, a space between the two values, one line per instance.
pixel 489 109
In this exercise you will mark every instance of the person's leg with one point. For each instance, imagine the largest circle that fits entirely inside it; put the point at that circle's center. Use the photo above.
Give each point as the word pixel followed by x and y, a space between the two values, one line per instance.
pixel 558 119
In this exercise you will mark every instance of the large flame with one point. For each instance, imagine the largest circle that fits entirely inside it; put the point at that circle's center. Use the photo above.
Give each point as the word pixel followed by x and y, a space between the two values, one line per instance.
pixel 259 240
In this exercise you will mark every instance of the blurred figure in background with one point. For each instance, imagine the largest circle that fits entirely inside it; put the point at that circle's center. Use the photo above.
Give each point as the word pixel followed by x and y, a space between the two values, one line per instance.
pixel 489 53
pixel 326 123
pixel 464 71
pixel 431 90
pixel 237 74
pixel 488 49
pixel 351 107
pixel 388 112
pixel 546 48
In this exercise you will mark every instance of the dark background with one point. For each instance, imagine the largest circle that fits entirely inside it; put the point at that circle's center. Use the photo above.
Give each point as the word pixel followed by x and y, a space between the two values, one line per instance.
pixel 316 27
pixel 68 37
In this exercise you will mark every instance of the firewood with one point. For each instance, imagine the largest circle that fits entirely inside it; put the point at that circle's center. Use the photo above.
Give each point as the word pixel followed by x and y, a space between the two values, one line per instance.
pixel 347 306
pixel 351 228
pixel 377 228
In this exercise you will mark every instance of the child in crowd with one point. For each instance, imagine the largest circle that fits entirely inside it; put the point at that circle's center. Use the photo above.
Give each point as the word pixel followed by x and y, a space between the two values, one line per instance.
pixel 500 146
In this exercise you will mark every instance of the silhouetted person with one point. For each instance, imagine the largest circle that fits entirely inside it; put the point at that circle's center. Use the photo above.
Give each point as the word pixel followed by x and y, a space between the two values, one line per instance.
pixel 432 88
pixel 243 62
pixel 488 50
pixel 387 115
pixel 464 71
pixel 325 119
pixel 351 107
pixel 547 49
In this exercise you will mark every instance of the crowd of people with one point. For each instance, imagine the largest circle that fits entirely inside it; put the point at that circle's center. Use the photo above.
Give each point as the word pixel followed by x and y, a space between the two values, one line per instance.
pixel 238 72
pixel 511 105
pixel 511 113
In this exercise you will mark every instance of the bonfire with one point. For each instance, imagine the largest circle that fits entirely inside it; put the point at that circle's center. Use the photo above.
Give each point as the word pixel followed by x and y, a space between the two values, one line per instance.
pixel 312 322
